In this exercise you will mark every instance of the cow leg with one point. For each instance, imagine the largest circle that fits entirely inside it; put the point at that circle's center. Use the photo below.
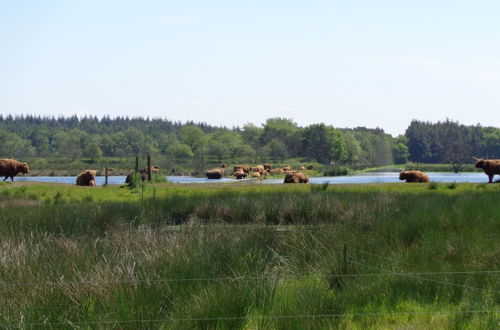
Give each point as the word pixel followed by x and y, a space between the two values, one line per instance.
pixel 490 177
pixel 12 178
pixel 6 178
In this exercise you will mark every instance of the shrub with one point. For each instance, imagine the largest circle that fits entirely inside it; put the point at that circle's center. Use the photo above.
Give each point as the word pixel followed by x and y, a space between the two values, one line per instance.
pixel 433 186
pixel 336 171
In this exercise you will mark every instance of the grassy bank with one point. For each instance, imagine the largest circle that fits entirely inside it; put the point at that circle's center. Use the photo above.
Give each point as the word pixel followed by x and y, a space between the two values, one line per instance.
pixel 246 256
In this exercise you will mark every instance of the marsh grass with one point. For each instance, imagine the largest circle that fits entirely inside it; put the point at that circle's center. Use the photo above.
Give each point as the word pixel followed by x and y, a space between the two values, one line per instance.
pixel 206 252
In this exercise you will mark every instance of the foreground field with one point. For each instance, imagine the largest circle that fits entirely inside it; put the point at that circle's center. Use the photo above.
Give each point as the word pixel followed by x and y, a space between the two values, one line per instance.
pixel 250 256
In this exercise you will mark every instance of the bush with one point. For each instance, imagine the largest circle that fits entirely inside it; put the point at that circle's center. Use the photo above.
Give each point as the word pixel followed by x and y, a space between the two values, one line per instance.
pixel 135 181
pixel 433 186
pixel 336 171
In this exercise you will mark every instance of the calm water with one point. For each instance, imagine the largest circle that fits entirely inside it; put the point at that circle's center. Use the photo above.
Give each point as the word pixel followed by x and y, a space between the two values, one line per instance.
pixel 358 178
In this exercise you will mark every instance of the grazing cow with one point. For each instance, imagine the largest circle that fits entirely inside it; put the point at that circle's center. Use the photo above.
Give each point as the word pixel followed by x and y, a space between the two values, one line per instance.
pixel 310 167
pixel 287 168
pixel 267 167
pixel 223 165
pixel 11 167
pixel 240 174
pixel 296 177
pixel 216 173
pixel 86 178
pixel 302 168
pixel 277 171
pixel 413 176
pixel 489 166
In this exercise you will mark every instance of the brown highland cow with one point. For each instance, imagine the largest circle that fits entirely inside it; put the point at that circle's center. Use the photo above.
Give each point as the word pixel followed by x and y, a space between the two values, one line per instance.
pixel 216 173
pixel 86 178
pixel 296 177
pixel 489 166
pixel 245 168
pixel 413 176
pixel 239 174
pixel 260 169
pixel 11 167
pixel 256 174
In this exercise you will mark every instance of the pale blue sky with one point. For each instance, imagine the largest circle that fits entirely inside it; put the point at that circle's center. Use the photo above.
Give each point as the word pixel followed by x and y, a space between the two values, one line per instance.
pixel 345 63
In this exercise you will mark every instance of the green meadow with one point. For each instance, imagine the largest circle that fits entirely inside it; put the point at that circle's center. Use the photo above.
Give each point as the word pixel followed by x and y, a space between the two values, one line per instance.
pixel 249 256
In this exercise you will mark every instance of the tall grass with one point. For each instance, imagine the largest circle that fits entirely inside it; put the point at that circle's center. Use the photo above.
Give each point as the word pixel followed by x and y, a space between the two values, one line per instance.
pixel 237 257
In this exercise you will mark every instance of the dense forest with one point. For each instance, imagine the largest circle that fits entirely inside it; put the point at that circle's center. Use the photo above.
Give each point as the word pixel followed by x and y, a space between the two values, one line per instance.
pixel 276 140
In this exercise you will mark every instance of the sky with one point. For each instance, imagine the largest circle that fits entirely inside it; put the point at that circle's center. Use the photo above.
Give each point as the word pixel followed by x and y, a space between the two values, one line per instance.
pixel 344 63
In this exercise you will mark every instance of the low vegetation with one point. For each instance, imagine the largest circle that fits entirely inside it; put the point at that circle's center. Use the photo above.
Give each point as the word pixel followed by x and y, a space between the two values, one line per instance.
pixel 250 256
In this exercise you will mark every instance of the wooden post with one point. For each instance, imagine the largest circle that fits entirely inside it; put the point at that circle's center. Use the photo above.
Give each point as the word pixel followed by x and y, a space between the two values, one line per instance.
pixel 149 168
pixel 136 163
pixel 106 176
pixel 344 259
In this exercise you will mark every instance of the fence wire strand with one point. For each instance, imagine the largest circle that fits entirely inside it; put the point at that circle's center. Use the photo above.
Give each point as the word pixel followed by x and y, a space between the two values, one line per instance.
pixel 250 278
pixel 417 275
pixel 247 317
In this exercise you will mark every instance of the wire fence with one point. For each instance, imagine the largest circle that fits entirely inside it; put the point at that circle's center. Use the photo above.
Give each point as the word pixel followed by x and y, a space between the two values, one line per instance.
pixel 250 317
pixel 351 259
pixel 250 277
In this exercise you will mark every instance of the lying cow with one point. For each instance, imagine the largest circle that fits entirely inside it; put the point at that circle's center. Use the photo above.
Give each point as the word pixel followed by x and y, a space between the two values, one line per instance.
pixel 413 176
pixel 86 178
pixel 489 166
pixel 296 177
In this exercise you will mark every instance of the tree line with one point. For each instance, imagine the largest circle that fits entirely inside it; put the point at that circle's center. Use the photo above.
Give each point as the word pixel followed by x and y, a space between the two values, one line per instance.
pixel 277 139
pixel 450 142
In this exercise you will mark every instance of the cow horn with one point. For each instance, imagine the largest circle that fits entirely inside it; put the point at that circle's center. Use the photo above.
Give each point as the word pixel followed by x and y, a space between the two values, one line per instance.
pixel 476 159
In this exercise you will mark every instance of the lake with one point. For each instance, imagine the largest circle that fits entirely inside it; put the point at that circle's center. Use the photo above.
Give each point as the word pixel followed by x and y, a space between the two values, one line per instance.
pixel 383 177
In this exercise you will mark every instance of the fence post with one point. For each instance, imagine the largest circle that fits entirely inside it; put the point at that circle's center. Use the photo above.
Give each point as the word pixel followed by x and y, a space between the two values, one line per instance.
pixel 149 168
pixel 136 164
pixel 344 259
pixel 106 176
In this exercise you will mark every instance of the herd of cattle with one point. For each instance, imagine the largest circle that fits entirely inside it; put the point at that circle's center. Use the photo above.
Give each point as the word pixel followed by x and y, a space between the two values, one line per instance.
pixel 261 171
pixel 10 168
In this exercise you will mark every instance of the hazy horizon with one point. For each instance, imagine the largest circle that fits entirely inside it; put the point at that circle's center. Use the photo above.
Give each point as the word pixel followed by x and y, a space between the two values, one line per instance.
pixel 228 63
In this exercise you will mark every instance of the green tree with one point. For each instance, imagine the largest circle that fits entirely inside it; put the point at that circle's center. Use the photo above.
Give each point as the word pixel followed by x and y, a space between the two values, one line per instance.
pixel 179 151
pixel 284 130
pixel 93 151
pixel 400 150
pixel 354 152
pixel 252 134
pixel 324 143
pixel 277 149
pixel 197 140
